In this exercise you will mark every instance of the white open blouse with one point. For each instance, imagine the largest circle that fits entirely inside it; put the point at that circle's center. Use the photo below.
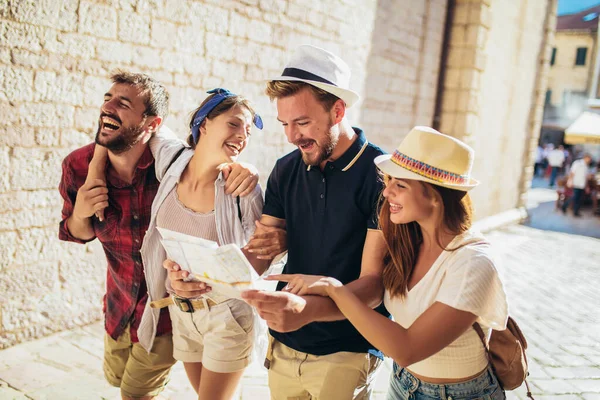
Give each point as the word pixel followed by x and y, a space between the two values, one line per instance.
pixel 465 279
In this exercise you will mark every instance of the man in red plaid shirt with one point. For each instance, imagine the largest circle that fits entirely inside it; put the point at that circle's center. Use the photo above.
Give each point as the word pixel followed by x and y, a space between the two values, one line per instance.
pixel 133 109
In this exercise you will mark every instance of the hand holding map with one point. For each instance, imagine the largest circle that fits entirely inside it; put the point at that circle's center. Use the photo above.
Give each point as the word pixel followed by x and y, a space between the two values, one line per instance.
pixel 225 268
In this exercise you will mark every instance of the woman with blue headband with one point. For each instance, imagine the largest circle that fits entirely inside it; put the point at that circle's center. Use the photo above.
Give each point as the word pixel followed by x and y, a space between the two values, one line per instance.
pixel 213 334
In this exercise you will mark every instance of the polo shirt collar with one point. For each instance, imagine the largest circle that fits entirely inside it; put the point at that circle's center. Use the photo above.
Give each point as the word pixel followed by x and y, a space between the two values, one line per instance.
pixel 350 156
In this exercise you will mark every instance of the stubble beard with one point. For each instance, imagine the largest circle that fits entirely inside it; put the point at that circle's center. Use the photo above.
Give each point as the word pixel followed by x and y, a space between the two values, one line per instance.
pixel 125 141
pixel 325 149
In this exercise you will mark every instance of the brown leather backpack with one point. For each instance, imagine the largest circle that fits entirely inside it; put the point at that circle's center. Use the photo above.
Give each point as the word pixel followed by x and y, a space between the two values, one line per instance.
pixel 506 353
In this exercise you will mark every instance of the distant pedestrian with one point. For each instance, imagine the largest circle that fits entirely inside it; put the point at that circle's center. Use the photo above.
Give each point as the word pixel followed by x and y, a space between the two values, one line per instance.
pixel 548 147
pixel 568 161
pixel 556 159
pixel 578 178
pixel 539 161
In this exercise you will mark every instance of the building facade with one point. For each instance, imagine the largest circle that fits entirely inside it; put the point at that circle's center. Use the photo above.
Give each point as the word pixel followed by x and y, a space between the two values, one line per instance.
pixel 452 64
pixel 573 66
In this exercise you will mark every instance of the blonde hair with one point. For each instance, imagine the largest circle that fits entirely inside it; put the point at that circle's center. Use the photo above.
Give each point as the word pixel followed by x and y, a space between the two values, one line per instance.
pixel 281 89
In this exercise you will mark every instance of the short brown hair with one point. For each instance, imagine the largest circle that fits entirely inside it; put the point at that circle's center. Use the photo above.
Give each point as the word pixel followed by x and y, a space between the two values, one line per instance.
pixel 280 89
pixel 221 108
pixel 154 94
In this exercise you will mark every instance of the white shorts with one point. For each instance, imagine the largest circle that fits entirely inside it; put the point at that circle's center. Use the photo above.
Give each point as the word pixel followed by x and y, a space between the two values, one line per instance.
pixel 221 337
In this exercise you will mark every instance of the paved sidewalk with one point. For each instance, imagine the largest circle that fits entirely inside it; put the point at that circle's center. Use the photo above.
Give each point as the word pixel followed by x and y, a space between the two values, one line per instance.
pixel 551 278
pixel 543 214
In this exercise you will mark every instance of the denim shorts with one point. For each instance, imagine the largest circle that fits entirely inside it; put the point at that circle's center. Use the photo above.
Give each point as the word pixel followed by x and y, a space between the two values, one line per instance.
pixel 404 385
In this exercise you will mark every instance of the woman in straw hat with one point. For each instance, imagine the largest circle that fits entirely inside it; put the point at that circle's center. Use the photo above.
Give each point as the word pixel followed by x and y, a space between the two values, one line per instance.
pixel 440 277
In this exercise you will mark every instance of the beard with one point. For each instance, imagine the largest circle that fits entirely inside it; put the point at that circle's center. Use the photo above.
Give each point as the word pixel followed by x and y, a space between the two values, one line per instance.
pixel 129 137
pixel 324 150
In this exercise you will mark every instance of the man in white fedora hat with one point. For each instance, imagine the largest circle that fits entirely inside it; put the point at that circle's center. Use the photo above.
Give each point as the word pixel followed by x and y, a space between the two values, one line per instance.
pixel 325 193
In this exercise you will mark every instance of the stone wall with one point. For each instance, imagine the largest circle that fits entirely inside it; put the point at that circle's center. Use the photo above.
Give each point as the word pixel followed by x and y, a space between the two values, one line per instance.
pixel 493 81
pixel 55 60
pixel 400 88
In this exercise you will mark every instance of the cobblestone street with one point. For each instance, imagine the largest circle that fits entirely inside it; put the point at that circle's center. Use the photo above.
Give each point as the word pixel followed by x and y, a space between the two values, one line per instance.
pixel 551 278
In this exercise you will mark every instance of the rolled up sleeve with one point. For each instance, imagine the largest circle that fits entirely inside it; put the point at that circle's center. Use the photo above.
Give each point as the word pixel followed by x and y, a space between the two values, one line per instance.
pixel 68 191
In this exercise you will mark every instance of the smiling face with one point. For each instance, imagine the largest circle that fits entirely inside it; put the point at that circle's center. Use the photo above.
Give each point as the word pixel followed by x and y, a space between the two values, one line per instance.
pixel 122 122
pixel 309 126
pixel 227 134
pixel 408 200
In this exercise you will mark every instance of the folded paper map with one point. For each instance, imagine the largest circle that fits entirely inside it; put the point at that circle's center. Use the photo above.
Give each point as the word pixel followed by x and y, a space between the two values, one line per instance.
pixel 225 268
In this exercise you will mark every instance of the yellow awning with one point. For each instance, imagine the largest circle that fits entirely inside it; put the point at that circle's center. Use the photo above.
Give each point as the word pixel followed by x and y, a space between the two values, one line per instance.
pixel 585 129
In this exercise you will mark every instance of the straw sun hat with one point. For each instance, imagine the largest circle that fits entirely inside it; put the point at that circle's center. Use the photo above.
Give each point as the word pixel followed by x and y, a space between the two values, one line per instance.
pixel 430 156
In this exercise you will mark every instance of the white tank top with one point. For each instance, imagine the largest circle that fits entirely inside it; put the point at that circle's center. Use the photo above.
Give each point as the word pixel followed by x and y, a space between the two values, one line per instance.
pixel 175 216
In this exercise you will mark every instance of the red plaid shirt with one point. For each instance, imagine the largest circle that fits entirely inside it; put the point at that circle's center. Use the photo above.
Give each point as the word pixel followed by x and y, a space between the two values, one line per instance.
pixel 121 233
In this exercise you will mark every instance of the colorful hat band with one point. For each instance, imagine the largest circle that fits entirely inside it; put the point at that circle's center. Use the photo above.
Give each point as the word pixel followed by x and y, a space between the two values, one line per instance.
pixel 428 171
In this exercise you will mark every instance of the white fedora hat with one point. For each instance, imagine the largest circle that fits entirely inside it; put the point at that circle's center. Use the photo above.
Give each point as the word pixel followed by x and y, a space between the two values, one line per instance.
pixel 430 156
pixel 322 69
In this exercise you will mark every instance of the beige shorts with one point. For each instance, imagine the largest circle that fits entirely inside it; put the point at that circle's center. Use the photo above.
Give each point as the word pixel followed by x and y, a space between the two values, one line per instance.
pixel 294 375
pixel 138 373
pixel 220 337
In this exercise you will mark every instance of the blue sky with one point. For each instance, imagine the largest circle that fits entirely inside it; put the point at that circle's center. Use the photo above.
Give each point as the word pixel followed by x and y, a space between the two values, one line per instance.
pixel 573 6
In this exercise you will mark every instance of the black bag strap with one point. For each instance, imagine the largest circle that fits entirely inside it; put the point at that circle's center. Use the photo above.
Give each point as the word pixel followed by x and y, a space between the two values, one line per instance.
pixel 237 199
pixel 175 157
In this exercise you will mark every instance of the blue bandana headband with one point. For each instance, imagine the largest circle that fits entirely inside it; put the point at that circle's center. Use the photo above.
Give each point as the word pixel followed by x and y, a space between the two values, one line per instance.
pixel 220 94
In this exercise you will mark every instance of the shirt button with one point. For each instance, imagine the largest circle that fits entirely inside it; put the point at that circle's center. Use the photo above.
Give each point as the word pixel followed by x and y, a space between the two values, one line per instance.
pixel 135 216
pixel 137 241
pixel 323 180
pixel 322 196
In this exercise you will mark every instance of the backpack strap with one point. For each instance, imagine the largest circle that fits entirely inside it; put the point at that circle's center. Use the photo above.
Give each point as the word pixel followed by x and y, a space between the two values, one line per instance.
pixel 237 199
pixel 175 158
pixel 479 331
pixel 486 345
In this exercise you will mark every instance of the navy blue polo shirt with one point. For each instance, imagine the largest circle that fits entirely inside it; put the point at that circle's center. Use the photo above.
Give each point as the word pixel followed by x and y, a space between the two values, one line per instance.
pixel 327 216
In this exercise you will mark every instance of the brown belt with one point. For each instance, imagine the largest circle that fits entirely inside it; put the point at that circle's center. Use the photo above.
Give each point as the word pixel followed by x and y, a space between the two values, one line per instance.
pixel 185 305
pixel 269 356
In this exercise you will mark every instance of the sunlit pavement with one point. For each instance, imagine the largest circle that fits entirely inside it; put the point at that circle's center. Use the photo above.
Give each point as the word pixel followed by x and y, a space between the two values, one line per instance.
pixel 543 213
pixel 551 278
